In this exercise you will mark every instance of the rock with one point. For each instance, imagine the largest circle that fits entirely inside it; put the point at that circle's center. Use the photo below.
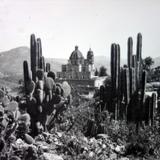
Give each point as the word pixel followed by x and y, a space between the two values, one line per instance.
pixel 50 156
pixel 59 134
pixel 92 140
pixel 104 146
pixel 45 148
pixel 19 141
pixel 113 156
pixel 85 139
pixel 5 101
pixel 124 158
pixel 100 136
pixel 120 149
pixel 12 106
pixel 28 139
pixel 91 154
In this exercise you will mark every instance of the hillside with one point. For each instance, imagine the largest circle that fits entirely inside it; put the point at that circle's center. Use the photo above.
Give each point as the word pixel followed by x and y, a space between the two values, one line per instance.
pixel 11 62
pixel 156 61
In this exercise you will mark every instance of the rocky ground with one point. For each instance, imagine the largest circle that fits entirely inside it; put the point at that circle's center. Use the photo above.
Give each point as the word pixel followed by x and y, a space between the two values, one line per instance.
pixel 76 136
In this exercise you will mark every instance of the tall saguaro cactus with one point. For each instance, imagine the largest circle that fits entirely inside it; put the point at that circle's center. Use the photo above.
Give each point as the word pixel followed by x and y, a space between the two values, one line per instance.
pixel 33 48
pixel 25 72
pixel 37 60
pixel 48 67
pixel 128 85
pixel 139 47
pixel 153 106
pixel 29 85
pixel 139 59
pixel 132 81
pixel 134 61
pixel 130 51
pixel 42 63
pixel 115 75
pixel 39 50
pixel 115 68
pixel 144 80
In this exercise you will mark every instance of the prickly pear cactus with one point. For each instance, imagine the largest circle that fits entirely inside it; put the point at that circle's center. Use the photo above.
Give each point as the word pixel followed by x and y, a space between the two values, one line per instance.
pixel 52 75
pixel 66 88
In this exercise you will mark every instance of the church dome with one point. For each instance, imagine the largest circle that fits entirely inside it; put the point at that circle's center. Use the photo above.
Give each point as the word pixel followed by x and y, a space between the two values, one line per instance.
pixel 76 57
pixel 76 54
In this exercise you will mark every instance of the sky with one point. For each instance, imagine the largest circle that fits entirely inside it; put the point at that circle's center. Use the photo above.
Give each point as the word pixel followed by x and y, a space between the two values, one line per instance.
pixel 95 24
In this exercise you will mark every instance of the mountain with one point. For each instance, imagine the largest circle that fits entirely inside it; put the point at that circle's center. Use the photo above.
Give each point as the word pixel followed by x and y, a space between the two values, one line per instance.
pixel 156 62
pixel 11 62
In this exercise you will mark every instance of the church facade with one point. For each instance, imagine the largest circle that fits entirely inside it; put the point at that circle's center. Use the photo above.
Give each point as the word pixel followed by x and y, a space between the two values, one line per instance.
pixel 78 67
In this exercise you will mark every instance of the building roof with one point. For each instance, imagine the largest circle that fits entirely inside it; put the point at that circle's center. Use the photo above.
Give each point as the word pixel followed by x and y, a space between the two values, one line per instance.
pixel 76 54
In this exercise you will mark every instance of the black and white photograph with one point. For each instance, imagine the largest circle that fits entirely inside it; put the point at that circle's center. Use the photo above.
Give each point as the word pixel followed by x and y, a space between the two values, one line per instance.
pixel 79 80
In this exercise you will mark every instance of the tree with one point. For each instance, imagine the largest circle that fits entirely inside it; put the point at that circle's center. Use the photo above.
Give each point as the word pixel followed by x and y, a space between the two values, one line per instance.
pixel 147 63
pixel 96 72
pixel 102 71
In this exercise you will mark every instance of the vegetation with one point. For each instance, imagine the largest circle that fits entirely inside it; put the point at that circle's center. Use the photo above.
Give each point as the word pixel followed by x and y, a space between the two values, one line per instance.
pixel 119 122
pixel 147 63
pixel 102 71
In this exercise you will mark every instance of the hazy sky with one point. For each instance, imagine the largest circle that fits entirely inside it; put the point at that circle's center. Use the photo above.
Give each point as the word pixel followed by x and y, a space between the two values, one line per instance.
pixel 62 24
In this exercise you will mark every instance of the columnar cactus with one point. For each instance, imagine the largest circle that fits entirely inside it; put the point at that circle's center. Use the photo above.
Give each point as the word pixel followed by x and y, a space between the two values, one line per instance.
pixel 152 108
pixel 130 51
pixel 144 80
pixel 48 67
pixel 134 61
pixel 128 85
pixel 26 73
pixel 115 75
pixel 102 94
pixel 139 47
pixel 115 68
pixel 33 48
pixel 28 83
pixel 37 60
pixel 39 50
pixel 113 52
pixel 42 63
pixel 139 59
pixel 132 81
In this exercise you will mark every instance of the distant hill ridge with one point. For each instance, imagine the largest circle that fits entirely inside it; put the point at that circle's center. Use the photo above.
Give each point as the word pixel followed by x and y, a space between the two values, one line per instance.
pixel 11 61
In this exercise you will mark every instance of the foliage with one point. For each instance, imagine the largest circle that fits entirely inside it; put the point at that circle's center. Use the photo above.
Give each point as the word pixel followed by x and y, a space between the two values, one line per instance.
pixel 147 63
pixel 144 144
pixel 102 71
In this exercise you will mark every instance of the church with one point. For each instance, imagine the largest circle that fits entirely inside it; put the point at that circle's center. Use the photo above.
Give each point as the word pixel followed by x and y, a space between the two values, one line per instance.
pixel 78 68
